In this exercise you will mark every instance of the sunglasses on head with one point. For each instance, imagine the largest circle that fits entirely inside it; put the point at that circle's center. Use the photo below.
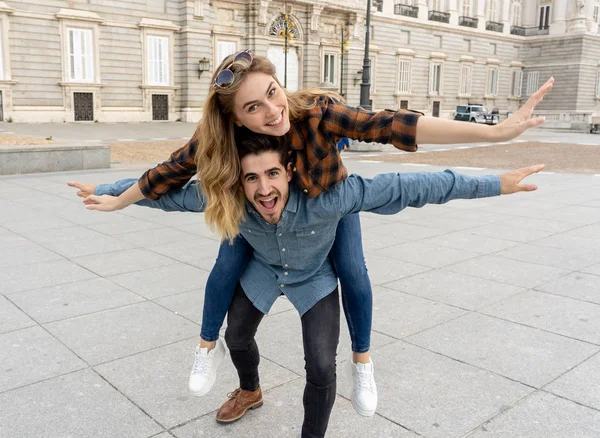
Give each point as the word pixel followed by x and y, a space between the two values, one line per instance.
pixel 226 77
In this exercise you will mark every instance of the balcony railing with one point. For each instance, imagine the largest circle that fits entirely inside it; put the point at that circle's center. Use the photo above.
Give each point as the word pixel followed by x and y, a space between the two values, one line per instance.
pixel 442 17
pixel 468 22
pixel 406 10
pixel 529 31
pixel 494 26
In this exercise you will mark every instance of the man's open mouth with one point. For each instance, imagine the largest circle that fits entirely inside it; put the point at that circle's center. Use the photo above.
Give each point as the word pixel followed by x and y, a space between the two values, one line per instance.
pixel 268 203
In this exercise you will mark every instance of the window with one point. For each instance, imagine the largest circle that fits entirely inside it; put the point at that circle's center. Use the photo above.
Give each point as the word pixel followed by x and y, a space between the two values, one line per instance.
pixel 596 10
pixel 493 10
pixel 404 104
pixel 378 5
pixel 494 48
pixel 544 17
pixel 516 83
pixel 1 63
pixel 329 62
pixel 467 46
pixel 404 37
pixel 598 84
pixel 435 78
pixel 533 78
pixel 437 41
pixel 81 55
pixel 515 12
pixel 224 49
pixel 404 76
pixel 465 80
pixel 158 60
pixel 492 89
pixel 467 8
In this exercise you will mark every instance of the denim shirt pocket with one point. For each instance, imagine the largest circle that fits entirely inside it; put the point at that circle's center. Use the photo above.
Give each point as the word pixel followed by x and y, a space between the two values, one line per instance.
pixel 310 239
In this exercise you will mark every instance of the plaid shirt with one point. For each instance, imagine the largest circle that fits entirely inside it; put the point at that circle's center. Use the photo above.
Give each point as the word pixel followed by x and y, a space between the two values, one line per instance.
pixel 313 140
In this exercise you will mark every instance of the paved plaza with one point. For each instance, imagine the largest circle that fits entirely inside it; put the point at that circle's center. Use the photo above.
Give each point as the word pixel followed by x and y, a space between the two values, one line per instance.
pixel 486 317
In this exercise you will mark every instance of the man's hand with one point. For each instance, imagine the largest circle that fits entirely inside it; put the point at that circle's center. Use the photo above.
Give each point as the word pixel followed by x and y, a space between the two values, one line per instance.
pixel 521 120
pixel 85 189
pixel 511 182
pixel 103 203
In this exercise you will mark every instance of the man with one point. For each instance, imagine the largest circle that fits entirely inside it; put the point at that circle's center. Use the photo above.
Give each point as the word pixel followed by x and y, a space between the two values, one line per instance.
pixel 292 235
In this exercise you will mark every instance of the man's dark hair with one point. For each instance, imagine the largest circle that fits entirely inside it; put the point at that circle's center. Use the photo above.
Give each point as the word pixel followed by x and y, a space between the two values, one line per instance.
pixel 249 142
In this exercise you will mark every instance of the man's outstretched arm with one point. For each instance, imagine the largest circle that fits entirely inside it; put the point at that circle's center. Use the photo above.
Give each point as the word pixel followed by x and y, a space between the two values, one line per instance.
pixel 391 193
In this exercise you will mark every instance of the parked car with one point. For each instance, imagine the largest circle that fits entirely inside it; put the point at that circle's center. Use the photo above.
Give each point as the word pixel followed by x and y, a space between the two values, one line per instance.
pixel 595 125
pixel 477 113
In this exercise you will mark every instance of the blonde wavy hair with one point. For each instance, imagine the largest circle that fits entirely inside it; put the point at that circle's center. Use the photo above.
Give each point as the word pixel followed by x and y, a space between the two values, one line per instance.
pixel 217 160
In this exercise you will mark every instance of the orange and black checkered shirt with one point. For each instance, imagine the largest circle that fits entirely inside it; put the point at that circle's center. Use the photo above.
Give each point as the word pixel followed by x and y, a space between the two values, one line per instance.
pixel 313 139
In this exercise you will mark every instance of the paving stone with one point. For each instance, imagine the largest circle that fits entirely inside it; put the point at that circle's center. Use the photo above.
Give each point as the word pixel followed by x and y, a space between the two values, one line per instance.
pixel 11 318
pixel 511 233
pixel 189 250
pixel 116 333
pixel 155 237
pixel 508 271
pixel 426 255
pixel 576 285
pixel 564 258
pixel 80 405
pixel 467 241
pixel 557 314
pixel 594 269
pixel 117 224
pixel 543 415
pixel 387 319
pixel 394 234
pixel 27 277
pixel 121 262
pixel 455 289
pixel 433 395
pixel 527 355
pixel 168 399
pixel 384 269
pixel 25 253
pixel 37 222
pixel 282 414
pixel 68 300
pixel 162 281
pixel 580 384
pixel 31 355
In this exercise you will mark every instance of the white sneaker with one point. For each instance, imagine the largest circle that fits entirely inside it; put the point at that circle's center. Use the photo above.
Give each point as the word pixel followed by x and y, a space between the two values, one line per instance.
pixel 364 389
pixel 206 365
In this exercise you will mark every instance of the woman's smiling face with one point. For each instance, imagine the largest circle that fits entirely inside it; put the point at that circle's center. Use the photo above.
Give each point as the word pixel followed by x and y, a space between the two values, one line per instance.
pixel 261 105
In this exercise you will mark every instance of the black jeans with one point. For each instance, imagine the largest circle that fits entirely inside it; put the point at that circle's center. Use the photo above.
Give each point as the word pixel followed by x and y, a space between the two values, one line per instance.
pixel 320 334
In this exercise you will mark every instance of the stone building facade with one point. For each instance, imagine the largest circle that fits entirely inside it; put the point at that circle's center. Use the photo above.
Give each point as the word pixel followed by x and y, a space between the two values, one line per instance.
pixel 144 60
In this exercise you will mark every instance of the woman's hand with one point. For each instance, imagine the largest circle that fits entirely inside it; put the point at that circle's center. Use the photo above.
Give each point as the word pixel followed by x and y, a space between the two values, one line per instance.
pixel 521 119
pixel 103 203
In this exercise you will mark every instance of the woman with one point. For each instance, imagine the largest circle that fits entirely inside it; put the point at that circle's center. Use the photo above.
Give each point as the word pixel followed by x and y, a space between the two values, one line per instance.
pixel 246 93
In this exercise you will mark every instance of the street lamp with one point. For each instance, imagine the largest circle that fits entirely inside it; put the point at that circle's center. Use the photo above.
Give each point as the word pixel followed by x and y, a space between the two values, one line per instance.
pixel 288 36
pixel 366 73
pixel 344 47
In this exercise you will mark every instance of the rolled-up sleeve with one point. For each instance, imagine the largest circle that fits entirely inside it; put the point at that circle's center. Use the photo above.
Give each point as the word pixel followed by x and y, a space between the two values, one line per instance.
pixel 398 128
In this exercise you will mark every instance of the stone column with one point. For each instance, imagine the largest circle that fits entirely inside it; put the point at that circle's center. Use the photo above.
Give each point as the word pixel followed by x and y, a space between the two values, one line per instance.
pixel 505 16
pixel 481 14
pixel 453 10
pixel 529 13
pixel 558 22
pixel 577 10
pixel 591 25
pixel 423 10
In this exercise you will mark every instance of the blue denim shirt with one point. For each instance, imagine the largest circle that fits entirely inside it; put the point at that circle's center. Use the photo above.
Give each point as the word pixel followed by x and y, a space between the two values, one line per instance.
pixel 291 257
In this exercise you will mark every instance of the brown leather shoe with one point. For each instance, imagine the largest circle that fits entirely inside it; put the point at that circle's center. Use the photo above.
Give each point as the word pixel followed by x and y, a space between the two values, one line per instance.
pixel 239 402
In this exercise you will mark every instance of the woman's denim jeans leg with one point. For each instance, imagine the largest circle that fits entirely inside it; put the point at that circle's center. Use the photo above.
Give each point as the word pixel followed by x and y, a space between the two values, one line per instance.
pixel 357 295
pixel 220 286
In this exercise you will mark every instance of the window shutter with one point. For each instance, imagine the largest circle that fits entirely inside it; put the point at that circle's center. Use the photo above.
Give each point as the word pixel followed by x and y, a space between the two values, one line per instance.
pixel 88 50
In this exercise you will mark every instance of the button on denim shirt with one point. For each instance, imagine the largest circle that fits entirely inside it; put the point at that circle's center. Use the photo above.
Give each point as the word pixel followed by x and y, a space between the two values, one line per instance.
pixel 291 257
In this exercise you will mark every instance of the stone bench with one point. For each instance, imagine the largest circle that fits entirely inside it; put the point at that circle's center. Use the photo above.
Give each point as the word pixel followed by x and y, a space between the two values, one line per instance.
pixel 52 158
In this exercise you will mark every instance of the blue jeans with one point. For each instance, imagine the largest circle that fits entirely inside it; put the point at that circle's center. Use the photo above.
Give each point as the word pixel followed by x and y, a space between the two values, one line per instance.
pixel 347 256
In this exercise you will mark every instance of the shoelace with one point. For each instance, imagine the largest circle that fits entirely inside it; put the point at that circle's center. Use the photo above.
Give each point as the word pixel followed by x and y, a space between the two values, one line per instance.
pixel 365 381
pixel 234 394
pixel 200 364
